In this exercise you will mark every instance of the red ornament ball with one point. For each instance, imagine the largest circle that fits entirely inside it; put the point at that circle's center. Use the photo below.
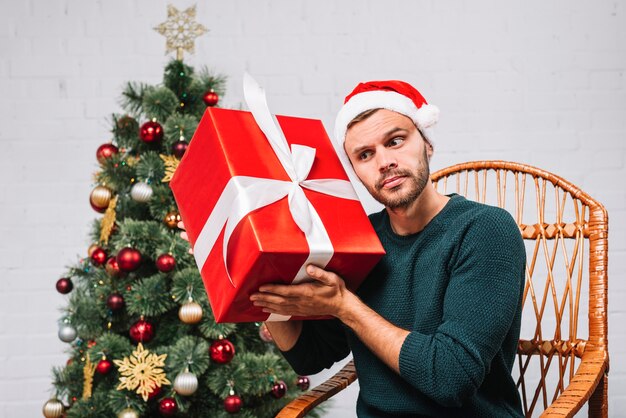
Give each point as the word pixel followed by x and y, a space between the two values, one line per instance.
pixel 104 366
pixel 222 351
pixel 128 259
pixel 106 151
pixel 112 267
pixel 166 263
pixel 141 331
pixel 156 391
pixel 279 389
pixel 232 404
pixel 303 382
pixel 151 132
pixel 97 208
pixel 210 98
pixel 115 302
pixel 98 256
pixel 64 285
pixel 168 407
pixel 179 148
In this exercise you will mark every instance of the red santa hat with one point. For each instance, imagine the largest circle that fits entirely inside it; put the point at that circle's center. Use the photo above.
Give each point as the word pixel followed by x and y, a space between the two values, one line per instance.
pixel 393 95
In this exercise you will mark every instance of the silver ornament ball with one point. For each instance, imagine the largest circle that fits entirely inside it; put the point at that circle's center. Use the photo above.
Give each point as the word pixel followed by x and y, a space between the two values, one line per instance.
pixel 141 192
pixel 53 409
pixel 186 383
pixel 67 333
pixel 128 413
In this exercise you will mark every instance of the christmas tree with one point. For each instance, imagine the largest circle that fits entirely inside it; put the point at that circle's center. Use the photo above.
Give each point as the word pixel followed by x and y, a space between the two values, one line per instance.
pixel 142 338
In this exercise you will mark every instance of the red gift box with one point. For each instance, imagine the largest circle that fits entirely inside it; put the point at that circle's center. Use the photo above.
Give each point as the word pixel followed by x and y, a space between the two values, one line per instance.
pixel 230 157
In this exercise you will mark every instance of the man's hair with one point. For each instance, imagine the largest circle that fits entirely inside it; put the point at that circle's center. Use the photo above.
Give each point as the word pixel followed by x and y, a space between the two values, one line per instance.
pixel 361 117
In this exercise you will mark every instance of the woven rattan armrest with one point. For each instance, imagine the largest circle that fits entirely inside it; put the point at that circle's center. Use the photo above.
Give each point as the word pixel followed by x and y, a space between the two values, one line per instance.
pixel 585 382
pixel 309 400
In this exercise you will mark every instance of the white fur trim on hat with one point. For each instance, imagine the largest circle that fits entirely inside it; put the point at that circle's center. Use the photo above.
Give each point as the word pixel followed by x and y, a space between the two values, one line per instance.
pixel 424 117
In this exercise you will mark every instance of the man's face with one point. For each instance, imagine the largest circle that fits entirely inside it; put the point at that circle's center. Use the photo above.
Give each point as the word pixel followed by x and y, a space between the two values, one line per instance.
pixel 390 157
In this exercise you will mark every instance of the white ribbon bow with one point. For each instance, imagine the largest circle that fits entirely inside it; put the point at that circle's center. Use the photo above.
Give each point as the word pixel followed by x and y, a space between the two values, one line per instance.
pixel 244 194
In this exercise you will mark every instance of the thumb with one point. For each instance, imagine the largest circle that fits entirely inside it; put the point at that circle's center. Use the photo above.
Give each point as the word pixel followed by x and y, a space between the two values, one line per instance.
pixel 321 275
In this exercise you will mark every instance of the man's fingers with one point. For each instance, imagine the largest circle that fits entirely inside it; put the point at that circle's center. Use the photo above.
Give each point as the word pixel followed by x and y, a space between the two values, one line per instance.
pixel 181 225
pixel 320 275
pixel 281 290
pixel 184 236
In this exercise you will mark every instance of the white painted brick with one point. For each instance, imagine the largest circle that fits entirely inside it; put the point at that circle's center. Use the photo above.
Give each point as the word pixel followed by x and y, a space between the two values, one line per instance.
pixel 38 391
pixel 53 108
pixel 600 60
pixel 36 366
pixel 41 66
pixel 57 26
pixel 15 46
pixel 83 46
pixel 572 80
pixel 13 10
pixel 608 159
pixel 4 67
pixel 80 87
pixel 607 80
pixel 609 100
pixel 82 9
pixel 282 84
pixel 47 9
pixel 97 107
pixel 577 120
pixel 609 120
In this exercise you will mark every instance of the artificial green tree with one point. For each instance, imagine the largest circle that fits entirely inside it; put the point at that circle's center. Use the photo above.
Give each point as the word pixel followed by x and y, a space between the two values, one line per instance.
pixel 134 301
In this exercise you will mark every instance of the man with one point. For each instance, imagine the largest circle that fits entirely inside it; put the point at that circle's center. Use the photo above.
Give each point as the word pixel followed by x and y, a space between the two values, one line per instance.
pixel 434 327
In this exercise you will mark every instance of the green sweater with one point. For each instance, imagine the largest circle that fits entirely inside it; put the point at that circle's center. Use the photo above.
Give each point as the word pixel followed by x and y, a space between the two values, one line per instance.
pixel 457 287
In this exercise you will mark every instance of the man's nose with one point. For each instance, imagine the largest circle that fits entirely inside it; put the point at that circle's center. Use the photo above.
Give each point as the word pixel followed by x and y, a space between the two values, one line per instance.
pixel 386 161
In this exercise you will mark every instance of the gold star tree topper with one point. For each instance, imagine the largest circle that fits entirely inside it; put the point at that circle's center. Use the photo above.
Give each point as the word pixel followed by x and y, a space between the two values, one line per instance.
pixel 142 371
pixel 180 30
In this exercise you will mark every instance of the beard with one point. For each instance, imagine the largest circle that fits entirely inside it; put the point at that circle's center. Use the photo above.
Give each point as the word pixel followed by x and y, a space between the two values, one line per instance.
pixel 414 184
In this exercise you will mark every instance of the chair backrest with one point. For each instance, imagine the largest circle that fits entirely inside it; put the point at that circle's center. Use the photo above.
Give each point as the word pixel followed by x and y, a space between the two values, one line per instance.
pixel 565 297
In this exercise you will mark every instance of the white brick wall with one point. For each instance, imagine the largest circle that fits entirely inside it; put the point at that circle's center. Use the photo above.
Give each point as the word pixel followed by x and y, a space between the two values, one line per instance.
pixel 537 82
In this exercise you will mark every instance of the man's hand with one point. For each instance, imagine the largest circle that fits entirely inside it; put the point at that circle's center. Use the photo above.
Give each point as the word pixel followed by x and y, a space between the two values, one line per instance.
pixel 184 235
pixel 325 295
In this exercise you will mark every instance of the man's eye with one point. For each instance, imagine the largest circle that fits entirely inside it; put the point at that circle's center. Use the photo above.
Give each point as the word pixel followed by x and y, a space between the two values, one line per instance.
pixel 365 155
pixel 395 141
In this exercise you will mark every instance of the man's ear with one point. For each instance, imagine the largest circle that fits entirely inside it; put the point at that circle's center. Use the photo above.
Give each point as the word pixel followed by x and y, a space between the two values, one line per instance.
pixel 429 150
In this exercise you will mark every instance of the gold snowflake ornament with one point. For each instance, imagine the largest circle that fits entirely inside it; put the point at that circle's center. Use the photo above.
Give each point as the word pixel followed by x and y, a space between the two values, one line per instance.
pixel 171 164
pixel 142 371
pixel 180 30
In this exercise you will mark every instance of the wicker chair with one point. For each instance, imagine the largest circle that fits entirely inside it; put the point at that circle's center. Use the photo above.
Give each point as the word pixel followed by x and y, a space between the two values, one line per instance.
pixel 563 356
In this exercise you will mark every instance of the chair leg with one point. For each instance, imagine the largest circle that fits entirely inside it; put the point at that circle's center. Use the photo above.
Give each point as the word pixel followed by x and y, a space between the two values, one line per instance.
pixel 599 403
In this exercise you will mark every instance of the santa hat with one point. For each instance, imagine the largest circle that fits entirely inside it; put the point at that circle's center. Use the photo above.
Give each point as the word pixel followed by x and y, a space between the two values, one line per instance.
pixel 393 95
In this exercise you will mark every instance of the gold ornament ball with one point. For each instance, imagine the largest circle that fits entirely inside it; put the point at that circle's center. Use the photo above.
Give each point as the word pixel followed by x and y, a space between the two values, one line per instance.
pixel 92 248
pixel 190 313
pixel 128 413
pixel 172 219
pixel 101 196
pixel 53 409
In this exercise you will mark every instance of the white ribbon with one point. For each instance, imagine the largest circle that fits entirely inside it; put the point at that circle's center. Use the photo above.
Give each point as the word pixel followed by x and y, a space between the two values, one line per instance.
pixel 244 194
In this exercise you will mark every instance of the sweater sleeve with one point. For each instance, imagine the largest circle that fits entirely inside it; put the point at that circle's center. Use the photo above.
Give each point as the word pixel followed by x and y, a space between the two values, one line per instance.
pixel 481 304
pixel 320 345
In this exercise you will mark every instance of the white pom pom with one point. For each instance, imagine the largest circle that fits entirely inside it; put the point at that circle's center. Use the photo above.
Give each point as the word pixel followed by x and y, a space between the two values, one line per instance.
pixel 427 116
